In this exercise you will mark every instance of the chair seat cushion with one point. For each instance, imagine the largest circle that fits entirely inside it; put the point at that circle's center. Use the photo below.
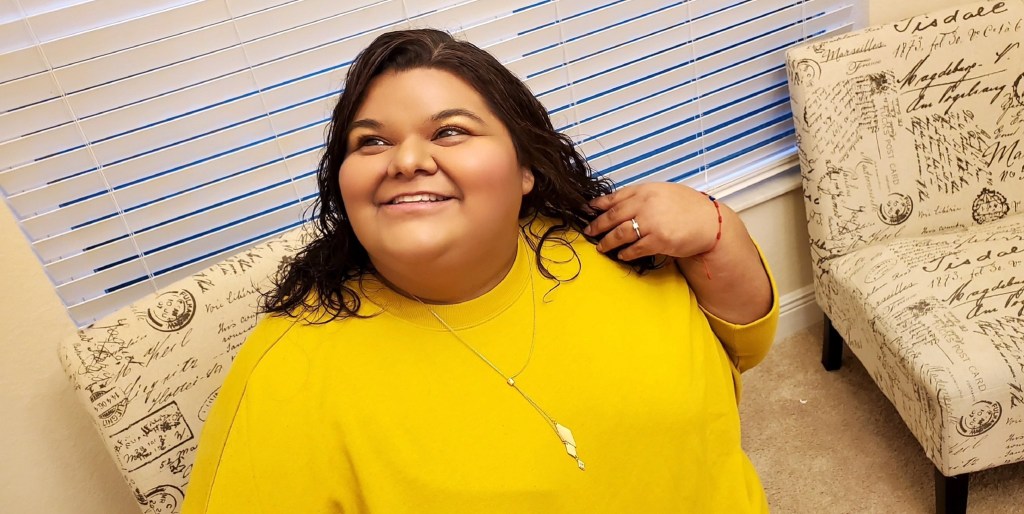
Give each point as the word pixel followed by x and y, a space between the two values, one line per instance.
pixel 938 321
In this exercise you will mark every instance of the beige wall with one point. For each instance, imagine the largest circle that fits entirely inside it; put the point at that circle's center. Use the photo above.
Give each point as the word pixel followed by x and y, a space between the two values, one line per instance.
pixel 779 226
pixel 53 461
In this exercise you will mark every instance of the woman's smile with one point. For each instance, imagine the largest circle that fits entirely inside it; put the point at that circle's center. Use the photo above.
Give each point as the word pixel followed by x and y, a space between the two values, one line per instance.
pixel 417 203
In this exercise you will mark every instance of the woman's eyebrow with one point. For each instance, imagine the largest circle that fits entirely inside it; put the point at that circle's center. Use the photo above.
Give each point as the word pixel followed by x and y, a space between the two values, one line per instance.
pixel 452 113
pixel 372 124
pixel 366 123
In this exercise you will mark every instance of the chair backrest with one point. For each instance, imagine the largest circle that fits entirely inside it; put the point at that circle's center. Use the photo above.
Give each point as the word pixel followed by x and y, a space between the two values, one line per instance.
pixel 149 373
pixel 911 128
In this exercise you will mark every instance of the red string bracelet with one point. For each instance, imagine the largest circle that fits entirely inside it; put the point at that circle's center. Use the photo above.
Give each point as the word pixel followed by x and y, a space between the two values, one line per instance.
pixel 718 237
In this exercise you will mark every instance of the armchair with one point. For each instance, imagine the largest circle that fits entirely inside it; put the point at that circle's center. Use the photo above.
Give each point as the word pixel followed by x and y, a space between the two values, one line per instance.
pixel 911 144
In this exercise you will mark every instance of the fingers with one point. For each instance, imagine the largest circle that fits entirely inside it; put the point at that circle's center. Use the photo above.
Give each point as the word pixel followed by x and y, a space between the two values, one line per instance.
pixel 603 203
pixel 641 248
pixel 616 224
pixel 622 234
pixel 625 236
pixel 607 221
pixel 617 209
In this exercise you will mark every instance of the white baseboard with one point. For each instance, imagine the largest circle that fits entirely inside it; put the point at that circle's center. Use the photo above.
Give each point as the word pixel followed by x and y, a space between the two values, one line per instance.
pixel 797 311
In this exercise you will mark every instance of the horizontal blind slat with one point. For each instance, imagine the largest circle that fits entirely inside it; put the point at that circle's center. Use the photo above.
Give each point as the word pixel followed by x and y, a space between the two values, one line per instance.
pixel 646 167
pixel 20 64
pixel 619 111
pixel 288 16
pixel 132 33
pixel 26 91
pixel 320 33
pixel 88 311
pixel 114 67
pixel 36 118
pixel 158 82
pixel 45 171
pixel 758 154
pixel 498 17
pixel 82 17
pixel 708 129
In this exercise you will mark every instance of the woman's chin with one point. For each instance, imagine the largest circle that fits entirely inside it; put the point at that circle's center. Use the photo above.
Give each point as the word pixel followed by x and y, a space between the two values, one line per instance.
pixel 420 249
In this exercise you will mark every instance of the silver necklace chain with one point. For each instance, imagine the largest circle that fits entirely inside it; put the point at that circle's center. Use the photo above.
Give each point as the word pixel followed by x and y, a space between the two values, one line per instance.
pixel 563 432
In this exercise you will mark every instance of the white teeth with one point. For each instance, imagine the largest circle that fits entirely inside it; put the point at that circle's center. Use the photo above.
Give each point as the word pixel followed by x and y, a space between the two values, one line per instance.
pixel 418 198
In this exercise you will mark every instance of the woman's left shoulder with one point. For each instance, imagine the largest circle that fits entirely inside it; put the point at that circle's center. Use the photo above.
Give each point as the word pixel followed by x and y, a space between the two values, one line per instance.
pixel 570 255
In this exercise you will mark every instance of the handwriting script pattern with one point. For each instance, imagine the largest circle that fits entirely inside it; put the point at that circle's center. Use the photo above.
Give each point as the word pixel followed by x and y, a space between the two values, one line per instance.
pixel 150 372
pixel 911 140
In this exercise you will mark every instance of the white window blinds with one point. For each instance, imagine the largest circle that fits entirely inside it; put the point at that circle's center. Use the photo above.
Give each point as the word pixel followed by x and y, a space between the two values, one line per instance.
pixel 142 141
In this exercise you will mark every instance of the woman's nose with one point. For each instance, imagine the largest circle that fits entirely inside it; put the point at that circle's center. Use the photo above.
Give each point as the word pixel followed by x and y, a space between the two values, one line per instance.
pixel 412 156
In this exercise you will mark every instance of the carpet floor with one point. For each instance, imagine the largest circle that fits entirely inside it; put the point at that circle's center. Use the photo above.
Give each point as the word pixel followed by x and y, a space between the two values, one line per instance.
pixel 831 443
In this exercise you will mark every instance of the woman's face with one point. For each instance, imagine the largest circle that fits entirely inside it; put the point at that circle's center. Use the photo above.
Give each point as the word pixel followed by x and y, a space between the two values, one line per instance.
pixel 431 173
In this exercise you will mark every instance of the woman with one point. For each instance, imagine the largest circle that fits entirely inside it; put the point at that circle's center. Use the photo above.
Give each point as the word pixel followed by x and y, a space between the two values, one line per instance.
pixel 453 333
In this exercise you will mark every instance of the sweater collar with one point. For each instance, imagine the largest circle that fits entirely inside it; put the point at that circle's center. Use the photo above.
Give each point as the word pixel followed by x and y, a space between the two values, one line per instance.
pixel 458 315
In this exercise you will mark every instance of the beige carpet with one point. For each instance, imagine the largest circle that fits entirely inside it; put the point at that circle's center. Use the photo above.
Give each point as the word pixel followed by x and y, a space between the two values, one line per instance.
pixel 831 443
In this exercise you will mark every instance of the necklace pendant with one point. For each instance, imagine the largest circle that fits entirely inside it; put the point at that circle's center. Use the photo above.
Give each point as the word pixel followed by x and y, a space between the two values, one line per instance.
pixel 570 443
pixel 566 436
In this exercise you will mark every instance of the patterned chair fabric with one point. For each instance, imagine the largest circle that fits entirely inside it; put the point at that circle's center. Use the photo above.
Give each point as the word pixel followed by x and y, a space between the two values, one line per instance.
pixel 149 373
pixel 911 142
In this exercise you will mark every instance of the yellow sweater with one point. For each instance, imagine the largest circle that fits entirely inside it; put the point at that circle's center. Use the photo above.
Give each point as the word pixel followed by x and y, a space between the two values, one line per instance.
pixel 392 414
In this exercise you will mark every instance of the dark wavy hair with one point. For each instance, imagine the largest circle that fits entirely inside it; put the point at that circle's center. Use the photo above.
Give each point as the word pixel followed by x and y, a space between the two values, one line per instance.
pixel 320 277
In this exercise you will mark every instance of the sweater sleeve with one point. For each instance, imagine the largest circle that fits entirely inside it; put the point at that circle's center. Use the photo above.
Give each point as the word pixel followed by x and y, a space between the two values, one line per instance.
pixel 748 344
pixel 227 483
pixel 258 451
pixel 222 438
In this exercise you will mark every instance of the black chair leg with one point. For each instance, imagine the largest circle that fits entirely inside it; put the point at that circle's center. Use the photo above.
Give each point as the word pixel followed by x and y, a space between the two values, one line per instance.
pixel 951 493
pixel 831 347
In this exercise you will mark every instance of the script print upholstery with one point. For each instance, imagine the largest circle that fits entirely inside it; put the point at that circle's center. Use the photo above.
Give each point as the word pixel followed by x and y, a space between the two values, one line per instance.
pixel 148 373
pixel 911 143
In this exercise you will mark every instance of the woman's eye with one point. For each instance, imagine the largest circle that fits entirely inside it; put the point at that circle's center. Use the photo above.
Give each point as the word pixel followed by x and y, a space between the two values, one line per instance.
pixel 370 141
pixel 449 132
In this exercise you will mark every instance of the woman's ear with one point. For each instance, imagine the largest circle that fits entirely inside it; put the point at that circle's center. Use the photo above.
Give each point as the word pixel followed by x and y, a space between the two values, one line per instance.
pixel 527 180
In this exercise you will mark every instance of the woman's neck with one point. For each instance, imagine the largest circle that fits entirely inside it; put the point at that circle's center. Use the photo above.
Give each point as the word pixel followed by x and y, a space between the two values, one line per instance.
pixel 449 281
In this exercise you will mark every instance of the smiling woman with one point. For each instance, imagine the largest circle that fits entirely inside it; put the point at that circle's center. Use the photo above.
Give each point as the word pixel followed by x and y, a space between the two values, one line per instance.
pixel 462 222
pixel 470 294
